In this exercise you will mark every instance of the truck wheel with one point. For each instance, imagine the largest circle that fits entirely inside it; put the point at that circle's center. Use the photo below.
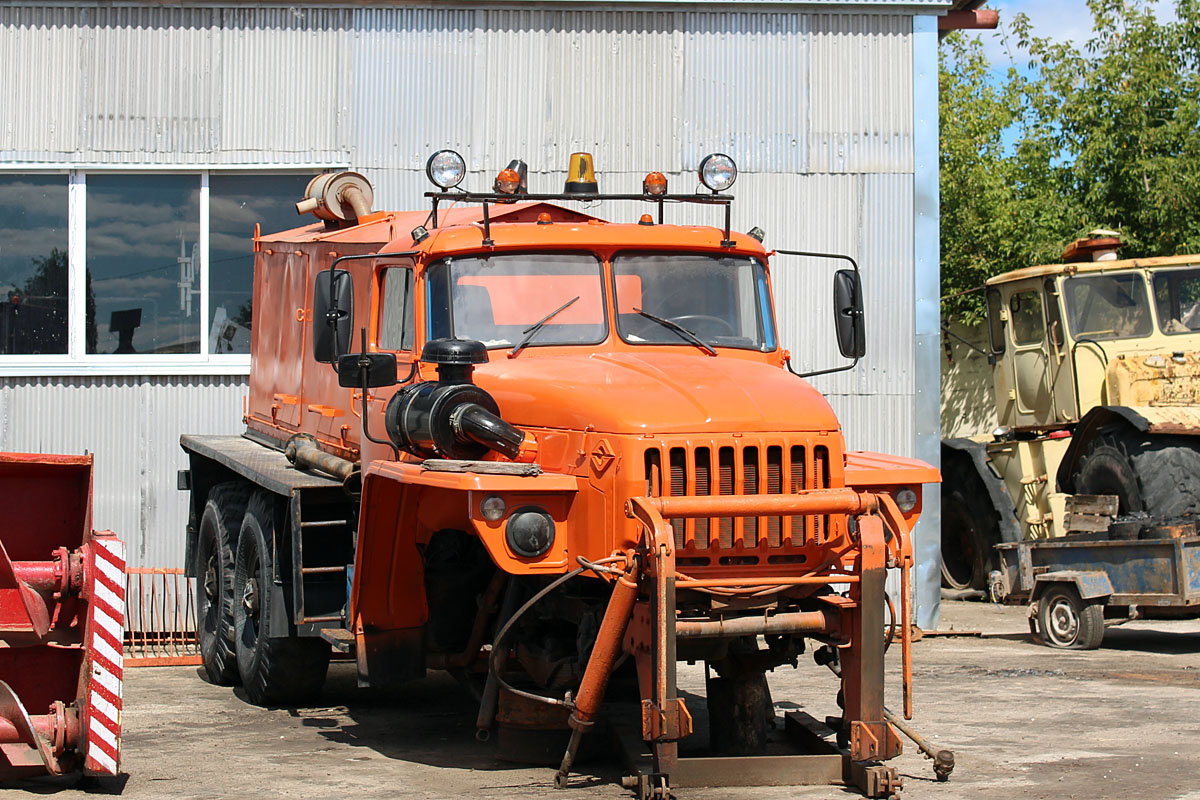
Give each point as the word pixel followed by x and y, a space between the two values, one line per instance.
pixel 1108 468
pixel 274 670
pixel 970 528
pixel 215 541
pixel 1168 470
pixel 1067 622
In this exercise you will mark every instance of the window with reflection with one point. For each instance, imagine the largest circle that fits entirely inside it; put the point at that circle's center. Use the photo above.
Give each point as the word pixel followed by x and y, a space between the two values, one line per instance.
pixel 1177 300
pixel 143 263
pixel 1026 315
pixel 396 320
pixel 686 299
pixel 1107 306
pixel 236 203
pixel 33 264
pixel 526 299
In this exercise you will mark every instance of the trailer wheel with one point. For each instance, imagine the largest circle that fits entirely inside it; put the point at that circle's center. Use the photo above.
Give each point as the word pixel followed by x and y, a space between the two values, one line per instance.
pixel 1066 621
pixel 274 670
pixel 216 537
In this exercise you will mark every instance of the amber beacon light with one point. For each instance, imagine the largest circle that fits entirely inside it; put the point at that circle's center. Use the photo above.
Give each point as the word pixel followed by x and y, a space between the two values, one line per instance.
pixel 581 176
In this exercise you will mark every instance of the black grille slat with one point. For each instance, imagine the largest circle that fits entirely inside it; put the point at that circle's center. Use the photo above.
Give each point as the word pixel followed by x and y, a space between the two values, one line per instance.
pixel 750 486
pixel 703 472
pixel 679 489
pixel 798 463
pixel 774 486
pixel 725 479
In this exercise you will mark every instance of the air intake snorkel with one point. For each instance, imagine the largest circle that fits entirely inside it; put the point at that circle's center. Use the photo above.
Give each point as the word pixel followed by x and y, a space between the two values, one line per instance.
pixel 452 417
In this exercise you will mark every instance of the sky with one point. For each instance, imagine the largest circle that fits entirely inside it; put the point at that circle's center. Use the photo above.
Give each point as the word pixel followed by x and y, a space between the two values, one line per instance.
pixel 1056 19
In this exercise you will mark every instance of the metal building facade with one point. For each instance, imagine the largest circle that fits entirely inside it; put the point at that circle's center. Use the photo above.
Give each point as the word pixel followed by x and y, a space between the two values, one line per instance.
pixel 829 109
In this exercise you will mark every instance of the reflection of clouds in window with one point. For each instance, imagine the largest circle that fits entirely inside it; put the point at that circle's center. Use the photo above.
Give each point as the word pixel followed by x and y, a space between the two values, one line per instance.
pixel 137 226
pixel 236 203
pixel 33 264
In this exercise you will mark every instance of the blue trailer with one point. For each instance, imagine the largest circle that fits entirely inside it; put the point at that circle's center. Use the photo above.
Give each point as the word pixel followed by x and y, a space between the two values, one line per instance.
pixel 1079 584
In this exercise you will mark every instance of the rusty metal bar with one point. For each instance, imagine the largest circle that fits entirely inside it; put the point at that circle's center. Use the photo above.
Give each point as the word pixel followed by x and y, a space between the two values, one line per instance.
pixel 779 580
pixel 794 622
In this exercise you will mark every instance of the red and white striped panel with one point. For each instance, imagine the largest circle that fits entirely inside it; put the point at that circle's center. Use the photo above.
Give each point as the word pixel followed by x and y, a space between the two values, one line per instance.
pixel 105 634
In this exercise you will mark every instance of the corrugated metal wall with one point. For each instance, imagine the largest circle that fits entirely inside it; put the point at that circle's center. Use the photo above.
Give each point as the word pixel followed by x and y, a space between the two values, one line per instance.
pixel 816 106
pixel 132 426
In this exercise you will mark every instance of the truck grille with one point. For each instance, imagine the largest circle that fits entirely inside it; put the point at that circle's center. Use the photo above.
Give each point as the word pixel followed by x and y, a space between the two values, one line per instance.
pixel 742 468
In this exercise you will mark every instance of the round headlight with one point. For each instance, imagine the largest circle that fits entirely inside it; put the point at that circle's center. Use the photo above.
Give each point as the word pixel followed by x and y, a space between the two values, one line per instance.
pixel 530 531
pixel 718 172
pixel 906 499
pixel 446 169
pixel 492 508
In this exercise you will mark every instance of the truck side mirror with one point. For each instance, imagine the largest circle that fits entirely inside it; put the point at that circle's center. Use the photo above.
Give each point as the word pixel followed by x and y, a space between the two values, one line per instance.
pixel 380 370
pixel 848 314
pixel 333 314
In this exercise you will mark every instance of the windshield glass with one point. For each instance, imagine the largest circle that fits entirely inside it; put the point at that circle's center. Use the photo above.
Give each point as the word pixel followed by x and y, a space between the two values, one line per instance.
pixel 498 299
pixel 1107 306
pixel 1177 300
pixel 722 301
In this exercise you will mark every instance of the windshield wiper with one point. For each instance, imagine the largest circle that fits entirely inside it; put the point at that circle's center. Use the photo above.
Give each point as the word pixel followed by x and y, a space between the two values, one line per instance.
pixel 682 331
pixel 533 329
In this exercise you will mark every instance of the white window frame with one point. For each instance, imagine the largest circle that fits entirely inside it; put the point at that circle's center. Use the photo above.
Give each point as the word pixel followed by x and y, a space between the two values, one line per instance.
pixel 77 361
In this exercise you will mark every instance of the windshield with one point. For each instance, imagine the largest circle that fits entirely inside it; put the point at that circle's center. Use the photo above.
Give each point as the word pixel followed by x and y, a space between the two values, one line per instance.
pixel 679 298
pixel 1107 306
pixel 498 300
pixel 1177 300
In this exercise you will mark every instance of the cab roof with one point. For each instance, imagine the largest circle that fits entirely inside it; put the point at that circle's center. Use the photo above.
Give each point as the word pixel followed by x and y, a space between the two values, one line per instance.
pixel 1051 270
pixel 512 226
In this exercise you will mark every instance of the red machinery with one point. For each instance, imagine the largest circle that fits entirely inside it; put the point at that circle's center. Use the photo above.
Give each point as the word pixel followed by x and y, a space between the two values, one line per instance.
pixel 62 615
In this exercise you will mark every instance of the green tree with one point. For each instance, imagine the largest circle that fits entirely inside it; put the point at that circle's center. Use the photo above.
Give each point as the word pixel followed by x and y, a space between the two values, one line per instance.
pixel 1106 134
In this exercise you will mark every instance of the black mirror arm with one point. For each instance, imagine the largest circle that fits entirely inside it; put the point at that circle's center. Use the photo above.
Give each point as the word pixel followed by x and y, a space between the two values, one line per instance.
pixel 363 365
pixel 849 366
pixel 857 280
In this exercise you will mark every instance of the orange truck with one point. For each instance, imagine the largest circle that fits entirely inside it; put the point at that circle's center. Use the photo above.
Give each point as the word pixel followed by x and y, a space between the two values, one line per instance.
pixel 549 453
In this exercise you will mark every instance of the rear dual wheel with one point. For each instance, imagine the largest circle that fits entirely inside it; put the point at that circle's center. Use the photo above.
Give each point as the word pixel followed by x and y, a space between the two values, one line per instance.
pixel 275 670
pixel 215 542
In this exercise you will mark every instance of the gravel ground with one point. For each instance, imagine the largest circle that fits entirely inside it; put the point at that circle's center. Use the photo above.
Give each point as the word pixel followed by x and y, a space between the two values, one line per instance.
pixel 1023 720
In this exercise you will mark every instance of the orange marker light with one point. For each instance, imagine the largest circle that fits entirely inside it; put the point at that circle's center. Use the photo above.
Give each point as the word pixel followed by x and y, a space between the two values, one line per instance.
pixel 508 181
pixel 655 183
pixel 646 220
pixel 544 219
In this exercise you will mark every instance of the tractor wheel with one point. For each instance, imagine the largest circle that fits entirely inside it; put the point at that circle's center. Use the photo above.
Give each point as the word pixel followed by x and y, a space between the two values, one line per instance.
pixel 1156 474
pixel 216 539
pixel 970 529
pixel 1069 623
pixel 274 670
pixel 1108 468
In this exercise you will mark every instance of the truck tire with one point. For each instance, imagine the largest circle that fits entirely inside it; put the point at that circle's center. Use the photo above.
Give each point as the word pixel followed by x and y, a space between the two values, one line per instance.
pixel 1067 622
pixel 1156 474
pixel 274 670
pixel 970 529
pixel 215 541
pixel 1108 468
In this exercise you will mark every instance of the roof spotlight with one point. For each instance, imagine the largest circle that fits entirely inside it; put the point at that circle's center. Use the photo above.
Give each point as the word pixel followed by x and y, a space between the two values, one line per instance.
pixel 446 169
pixel 718 172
